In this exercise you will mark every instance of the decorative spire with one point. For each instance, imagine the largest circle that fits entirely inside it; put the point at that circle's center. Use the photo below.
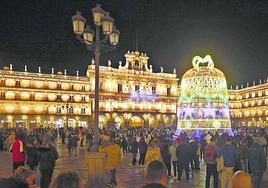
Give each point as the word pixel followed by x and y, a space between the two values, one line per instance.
pixel 77 73
pixel 231 87
pixel 52 70
pixel 174 71
pixel 10 67
pixel 161 69
pixel 92 61
pixel 25 68
pixel 253 83
pixel 260 80
pixel 39 69
pixel 109 63
pixel 65 72
pixel 247 84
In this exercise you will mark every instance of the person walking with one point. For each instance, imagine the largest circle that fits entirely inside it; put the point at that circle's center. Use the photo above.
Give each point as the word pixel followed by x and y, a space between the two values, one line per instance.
pixel 63 136
pixel 113 158
pixel 184 153
pixel 229 153
pixel 55 157
pixel 74 143
pixel 134 150
pixel 45 165
pixel 17 150
pixel 257 163
pixel 244 151
pixel 173 156
pixel 32 156
pixel 142 149
pixel 166 158
pixel 153 153
pixel 124 145
pixel 210 156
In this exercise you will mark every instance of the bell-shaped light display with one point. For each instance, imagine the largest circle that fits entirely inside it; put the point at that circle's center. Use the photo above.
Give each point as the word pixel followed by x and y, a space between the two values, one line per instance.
pixel 78 23
pixel 88 35
pixel 107 24
pixel 98 13
pixel 203 102
pixel 114 37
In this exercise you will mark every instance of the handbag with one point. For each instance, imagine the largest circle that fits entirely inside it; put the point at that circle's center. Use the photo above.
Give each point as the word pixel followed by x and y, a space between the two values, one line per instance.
pixel 220 163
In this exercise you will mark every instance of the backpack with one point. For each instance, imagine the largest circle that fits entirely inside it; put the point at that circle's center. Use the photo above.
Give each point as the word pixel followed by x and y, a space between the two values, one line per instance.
pixel 210 153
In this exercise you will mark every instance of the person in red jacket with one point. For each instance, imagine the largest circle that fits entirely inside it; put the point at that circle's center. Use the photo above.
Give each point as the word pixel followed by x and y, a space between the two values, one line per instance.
pixel 18 157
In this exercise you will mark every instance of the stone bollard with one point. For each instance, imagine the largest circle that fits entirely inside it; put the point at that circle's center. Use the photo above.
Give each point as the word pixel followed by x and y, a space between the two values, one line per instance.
pixel 95 164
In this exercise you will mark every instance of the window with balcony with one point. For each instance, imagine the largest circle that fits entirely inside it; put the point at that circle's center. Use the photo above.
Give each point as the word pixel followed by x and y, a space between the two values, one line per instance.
pixel 83 98
pixel 153 90
pixel 83 88
pixel 119 88
pixel 58 86
pixel 71 98
pixel 58 110
pixel 168 91
pixel 71 110
pixel 58 97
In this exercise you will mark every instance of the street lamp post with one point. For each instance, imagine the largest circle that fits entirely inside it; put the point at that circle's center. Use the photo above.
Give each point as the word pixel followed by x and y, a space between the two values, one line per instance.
pixel 86 35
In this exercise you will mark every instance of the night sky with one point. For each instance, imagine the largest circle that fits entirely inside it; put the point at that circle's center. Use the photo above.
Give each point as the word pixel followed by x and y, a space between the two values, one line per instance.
pixel 235 33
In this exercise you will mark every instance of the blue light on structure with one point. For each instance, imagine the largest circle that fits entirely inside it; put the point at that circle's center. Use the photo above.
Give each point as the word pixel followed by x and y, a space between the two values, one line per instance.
pixel 196 134
pixel 141 95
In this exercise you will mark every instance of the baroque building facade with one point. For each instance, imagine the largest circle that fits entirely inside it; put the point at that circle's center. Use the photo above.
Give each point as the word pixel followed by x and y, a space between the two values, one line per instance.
pixel 130 95
pixel 249 105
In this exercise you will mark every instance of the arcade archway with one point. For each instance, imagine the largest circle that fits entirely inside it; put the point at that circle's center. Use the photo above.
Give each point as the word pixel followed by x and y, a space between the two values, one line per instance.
pixel 136 121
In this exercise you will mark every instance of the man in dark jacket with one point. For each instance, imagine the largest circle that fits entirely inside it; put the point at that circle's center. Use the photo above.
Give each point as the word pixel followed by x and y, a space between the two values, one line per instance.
pixel 55 157
pixel 142 149
pixel 230 156
pixel 46 165
pixel 32 156
pixel 257 163
pixel 124 145
pixel 156 175
pixel 134 150
pixel 184 153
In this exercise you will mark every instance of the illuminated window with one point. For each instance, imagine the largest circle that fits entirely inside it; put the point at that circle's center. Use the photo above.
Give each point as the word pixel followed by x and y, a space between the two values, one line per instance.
pixel 83 88
pixel 72 87
pixel 119 88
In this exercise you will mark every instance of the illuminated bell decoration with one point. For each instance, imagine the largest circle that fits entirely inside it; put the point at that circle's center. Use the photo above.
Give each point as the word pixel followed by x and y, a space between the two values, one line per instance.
pixel 78 23
pixel 98 13
pixel 88 35
pixel 114 37
pixel 107 24
pixel 203 102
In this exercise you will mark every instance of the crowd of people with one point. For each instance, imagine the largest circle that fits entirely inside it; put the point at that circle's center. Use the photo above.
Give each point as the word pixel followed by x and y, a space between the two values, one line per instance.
pixel 223 153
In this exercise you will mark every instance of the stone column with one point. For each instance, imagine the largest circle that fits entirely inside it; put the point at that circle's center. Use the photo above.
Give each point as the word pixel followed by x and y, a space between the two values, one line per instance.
pixel 96 162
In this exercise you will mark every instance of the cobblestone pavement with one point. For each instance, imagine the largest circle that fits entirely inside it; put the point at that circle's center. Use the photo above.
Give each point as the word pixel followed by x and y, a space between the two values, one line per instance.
pixel 127 176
